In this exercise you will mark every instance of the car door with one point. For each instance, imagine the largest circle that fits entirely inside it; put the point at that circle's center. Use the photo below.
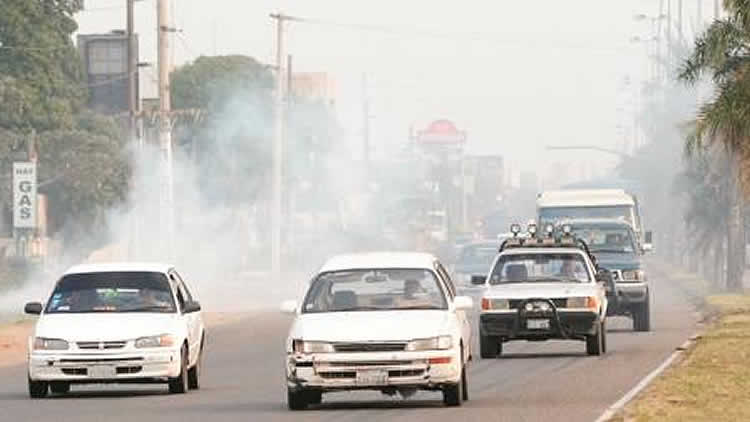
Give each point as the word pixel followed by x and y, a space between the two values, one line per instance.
pixel 192 320
pixel 463 318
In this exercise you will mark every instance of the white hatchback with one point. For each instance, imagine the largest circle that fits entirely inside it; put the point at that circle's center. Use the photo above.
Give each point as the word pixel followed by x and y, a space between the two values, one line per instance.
pixel 389 322
pixel 116 323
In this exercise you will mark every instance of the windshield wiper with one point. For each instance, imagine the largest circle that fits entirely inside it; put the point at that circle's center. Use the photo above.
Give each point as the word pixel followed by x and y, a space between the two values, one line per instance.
pixel 148 308
pixel 417 307
pixel 558 279
pixel 359 308
pixel 610 250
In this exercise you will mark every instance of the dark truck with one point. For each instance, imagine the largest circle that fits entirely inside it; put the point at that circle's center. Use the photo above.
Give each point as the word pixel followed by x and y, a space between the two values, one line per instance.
pixel 617 248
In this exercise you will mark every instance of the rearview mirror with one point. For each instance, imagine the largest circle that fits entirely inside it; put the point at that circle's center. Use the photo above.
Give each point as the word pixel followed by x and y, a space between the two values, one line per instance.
pixel 288 307
pixel 192 306
pixel 33 308
pixel 463 303
pixel 478 280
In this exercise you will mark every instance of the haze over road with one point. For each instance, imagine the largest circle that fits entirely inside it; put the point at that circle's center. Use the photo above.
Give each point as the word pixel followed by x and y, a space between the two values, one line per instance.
pixel 243 379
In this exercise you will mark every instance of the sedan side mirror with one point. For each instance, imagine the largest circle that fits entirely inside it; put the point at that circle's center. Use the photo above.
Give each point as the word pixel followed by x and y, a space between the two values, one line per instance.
pixel 463 303
pixel 33 308
pixel 289 307
pixel 478 280
pixel 192 306
pixel 605 276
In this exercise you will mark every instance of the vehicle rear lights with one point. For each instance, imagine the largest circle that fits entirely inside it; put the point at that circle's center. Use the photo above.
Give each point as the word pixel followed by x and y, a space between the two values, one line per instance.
pixel 486 304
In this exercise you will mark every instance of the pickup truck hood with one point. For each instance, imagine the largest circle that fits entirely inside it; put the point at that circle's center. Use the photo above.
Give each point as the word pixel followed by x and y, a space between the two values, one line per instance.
pixel 618 261
pixel 372 325
pixel 541 290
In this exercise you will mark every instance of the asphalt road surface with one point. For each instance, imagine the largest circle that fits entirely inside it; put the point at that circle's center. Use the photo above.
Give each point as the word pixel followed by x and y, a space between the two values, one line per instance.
pixel 243 380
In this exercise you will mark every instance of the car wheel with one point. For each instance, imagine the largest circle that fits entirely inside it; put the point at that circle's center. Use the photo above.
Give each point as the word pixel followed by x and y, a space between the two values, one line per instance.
pixel 59 387
pixel 296 400
pixel 179 385
pixel 453 394
pixel 194 373
pixel 38 389
pixel 465 385
pixel 314 397
pixel 489 347
pixel 594 342
pixel 642 317
pixel 604 336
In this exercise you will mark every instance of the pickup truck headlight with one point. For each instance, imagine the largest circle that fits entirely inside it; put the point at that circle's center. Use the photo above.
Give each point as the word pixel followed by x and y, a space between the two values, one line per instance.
pixel 432 343
pixel 591 302
pixel 633 275
pixel 42 343
pixel 300 346
pixel 164 340
pixel 494 304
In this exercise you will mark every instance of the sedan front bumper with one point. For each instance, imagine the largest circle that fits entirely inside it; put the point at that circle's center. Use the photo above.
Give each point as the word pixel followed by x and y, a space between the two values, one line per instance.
pixel 428 370
pixel 143 366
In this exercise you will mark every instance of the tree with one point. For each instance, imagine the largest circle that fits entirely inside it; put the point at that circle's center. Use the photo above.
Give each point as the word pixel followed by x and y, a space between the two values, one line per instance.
pixel 723 51
pixel 82 164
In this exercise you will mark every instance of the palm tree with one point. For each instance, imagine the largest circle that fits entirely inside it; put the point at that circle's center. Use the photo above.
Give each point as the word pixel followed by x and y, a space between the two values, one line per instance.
pixel 723 52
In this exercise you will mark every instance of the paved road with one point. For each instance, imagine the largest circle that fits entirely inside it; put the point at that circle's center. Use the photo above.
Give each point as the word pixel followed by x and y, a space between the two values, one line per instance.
pixel 243 380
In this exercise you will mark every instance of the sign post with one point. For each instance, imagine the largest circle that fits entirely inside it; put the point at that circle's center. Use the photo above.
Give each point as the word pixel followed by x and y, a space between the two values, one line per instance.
pixel 24 205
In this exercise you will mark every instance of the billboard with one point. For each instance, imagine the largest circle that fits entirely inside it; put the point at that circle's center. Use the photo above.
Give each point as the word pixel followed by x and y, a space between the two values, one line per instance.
pixel 24 195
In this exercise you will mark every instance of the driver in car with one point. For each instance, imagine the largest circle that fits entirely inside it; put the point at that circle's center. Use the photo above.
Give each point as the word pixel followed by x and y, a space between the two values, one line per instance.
pixel 572 269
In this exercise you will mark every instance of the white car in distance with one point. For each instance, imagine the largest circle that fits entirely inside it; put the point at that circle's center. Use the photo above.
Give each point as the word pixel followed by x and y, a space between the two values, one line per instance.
pixel 389 322
pixel 116 323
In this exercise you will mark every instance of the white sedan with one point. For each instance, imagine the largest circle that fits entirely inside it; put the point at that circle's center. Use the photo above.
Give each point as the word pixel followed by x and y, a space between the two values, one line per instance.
pixel 389 322
pixel 116 323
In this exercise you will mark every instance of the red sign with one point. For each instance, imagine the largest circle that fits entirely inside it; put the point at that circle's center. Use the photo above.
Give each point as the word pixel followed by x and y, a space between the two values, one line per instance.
pixel 442 132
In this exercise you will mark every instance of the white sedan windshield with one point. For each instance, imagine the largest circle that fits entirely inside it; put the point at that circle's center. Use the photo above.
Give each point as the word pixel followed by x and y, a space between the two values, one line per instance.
pixel 537 267
pixel 374 290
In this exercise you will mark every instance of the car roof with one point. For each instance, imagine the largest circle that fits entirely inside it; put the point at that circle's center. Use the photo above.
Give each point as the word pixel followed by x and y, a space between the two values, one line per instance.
pixel 365 260
pixel 540 250
pixel 607 222
pixel 153 267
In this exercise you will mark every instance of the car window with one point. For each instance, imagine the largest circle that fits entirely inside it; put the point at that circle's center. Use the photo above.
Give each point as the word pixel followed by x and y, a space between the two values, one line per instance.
pixel 607 239
pixel 182 286
pixel 375 290
pixel 111 292
pixel 540 267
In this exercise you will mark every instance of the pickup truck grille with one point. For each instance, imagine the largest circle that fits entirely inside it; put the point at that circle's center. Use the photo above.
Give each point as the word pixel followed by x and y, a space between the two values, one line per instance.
pixel 559 302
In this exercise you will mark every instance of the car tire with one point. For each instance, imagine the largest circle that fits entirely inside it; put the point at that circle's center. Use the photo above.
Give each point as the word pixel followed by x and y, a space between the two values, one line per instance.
pixel 296 400
pixel 38 389
pixel 489 347
pixel 314 397
pixel 59 387
pixel 453 394
pixel 642 317
pixel 194 373
pixel 179 385
pixel 604 336
pixel 594 342
pixel 465 385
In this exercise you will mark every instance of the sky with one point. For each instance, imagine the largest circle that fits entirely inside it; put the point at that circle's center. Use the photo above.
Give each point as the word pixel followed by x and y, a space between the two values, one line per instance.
pixel 516 76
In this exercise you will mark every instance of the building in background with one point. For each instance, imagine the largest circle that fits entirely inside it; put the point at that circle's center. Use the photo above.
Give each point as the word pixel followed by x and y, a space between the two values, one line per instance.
pixel 105 63
pixel 314 86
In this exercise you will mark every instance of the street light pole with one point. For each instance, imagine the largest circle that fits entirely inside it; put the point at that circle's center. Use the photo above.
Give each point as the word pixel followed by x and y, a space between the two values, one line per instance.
pixel 165 127
pixel 278 149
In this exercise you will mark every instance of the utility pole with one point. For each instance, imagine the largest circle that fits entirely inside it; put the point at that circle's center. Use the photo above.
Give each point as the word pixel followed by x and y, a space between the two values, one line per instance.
pixel 366 128
pixel 133 109
pixel 717 9
pixel 278 149
pixel 165 129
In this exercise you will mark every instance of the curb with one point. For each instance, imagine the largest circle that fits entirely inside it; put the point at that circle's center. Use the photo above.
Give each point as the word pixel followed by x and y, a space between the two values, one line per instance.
pixel 612 410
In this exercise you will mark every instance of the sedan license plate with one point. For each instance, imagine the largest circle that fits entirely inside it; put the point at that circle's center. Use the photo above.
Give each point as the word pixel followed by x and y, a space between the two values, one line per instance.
pixel 537 324
pixel 101 372
pixel 372 377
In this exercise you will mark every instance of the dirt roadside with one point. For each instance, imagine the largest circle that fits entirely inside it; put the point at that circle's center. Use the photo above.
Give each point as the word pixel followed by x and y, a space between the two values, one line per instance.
pixel 14 336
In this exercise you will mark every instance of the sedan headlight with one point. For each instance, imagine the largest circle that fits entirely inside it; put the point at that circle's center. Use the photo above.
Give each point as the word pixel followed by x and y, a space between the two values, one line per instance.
pixel 300 346
pixel 633 275
pixel 164 340
pixel 432 343
pixel 42 343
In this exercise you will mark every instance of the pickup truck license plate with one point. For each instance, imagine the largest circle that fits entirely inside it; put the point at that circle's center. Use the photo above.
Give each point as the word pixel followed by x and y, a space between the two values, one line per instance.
pixel 101 372
pixel 372 377
pixel 537 324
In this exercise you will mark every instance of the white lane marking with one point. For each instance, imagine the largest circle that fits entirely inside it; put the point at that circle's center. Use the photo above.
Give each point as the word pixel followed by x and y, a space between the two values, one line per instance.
pixel 619 404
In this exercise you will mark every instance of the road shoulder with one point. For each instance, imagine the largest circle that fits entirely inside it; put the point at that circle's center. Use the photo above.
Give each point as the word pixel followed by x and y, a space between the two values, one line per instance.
pixel 711 379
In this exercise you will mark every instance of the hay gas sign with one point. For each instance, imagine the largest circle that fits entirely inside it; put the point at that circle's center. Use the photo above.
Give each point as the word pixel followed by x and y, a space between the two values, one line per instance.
pixel 24 195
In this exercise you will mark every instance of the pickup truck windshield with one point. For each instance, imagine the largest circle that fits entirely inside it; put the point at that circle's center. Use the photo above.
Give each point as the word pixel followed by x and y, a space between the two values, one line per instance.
pixel 556 214
pixel 540 267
